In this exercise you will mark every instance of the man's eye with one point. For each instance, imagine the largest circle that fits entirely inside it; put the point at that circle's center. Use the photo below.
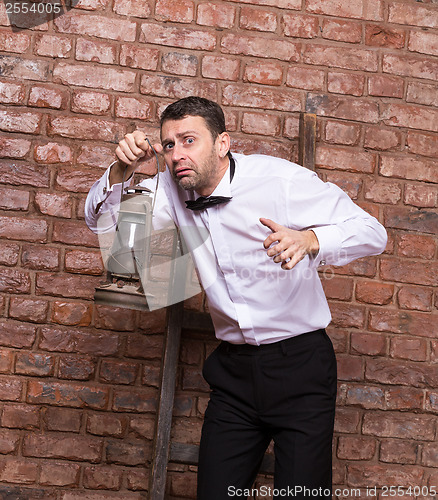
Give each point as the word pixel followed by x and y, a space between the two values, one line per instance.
pixel 168 146
pixel 190 140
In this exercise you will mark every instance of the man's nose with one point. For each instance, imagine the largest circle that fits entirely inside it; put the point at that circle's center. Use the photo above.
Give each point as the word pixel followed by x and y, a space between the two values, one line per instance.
pixel 177 153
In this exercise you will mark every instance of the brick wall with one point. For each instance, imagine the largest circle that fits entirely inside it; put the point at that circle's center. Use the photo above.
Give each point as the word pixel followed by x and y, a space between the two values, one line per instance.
pixel 78 383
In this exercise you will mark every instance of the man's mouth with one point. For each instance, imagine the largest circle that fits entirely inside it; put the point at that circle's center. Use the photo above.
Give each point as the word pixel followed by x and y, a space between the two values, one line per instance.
pixel 181 171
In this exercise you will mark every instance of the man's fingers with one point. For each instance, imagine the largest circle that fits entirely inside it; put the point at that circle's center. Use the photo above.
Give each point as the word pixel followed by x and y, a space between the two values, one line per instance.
pixel 158 148
pixel 125 156
pixel 273 226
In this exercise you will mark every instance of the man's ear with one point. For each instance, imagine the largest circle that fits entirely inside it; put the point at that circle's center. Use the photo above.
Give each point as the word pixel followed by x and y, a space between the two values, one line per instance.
pixel 223 143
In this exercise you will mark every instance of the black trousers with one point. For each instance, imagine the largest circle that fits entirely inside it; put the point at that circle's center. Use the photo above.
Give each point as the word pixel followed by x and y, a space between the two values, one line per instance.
pixel 284 391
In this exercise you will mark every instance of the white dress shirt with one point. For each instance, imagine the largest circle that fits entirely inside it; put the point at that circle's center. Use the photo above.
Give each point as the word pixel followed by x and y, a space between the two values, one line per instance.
pixel 252 299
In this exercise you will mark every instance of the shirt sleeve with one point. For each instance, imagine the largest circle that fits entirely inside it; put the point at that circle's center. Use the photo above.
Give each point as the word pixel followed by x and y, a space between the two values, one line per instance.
pixel 345 232
pixel 103 202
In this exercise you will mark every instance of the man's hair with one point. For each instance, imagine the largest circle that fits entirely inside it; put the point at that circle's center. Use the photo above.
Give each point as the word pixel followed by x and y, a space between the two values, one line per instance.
pixel 197 106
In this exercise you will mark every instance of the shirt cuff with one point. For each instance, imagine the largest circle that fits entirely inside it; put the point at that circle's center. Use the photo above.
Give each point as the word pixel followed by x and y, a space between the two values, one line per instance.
pixel 330 243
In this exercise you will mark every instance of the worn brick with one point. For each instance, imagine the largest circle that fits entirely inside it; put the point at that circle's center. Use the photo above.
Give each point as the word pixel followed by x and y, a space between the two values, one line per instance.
pixel 102 478
pixel 404 167
pixel 305 78
pixel 20 416
pixel 420 195
pixel 91 50
pixel 355 59
pixel 95 156
pixel 412 66
pixel 411 349
pixel 412 14
pixel 73 233
pixel 37 364
pixel 178 63
pixel 358 9
pixel 106 425
pixel 11 388
pixel 23 174
pixel 78 448
pixel 139 57
pixel 236 95
pixel 421 220
pixel 356 448
pixel 134 400
pixel 60 474
pixel 345 83
pixel 338 288
pixel 342 133
pixel 134 8
pixel 71 313
pixel 40 257
pixel 395 372
pixel 31 310
pixel 64 285
pixel 9 253
pixel 100 77
pixel 257 46
pixel 263 124
pixel 300 26
pixel 368 343
pixel 176 87
pixel 14 281
pixel 221 68
pixel 381 139
pixel 392 424
pixel 177 37
pixel 410 116
pixel 83 262
pixel 62 419
pixel 94 103
pixel 13 148
pixel 98 26
pixel 53 152
pixel 57 205
pixel 382 36
pixel 24 69
pixel 221 16
pixel 402 322
pixel 264 73
pixel 341 30
pixel 16 334
pixel 345 159
pixel 181 12
pixel 372 292
pixel 14 199
pixel 116 372
pixel 381 191
pixel 342 107
pixel 22 122
pixel 76 368
pixel 14 42
pixel 424 42
pixel 81 128
pixel 385 86
pixel 130 107
pixel 347 420
pixel 17 470
pixel 257 19
pixel 350 368
pixel 127 452
pixel 53 46
pixel 12 93
pixel 114 318
pixel 415 297
pixel 422 93
pixel 404 398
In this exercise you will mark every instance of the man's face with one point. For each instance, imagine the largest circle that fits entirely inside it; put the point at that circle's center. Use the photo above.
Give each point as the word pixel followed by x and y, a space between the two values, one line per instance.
pixel 191 154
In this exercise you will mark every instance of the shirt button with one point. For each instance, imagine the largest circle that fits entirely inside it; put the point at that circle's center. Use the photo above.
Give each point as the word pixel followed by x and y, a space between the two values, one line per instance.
pixel 104 190
pixel 322 263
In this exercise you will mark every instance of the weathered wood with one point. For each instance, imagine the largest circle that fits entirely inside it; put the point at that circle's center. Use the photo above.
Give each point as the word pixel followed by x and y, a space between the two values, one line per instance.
pixel 307 142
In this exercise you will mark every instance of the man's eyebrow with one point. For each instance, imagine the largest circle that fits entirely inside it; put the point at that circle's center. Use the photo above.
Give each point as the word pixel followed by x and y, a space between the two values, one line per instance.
pixel 181 134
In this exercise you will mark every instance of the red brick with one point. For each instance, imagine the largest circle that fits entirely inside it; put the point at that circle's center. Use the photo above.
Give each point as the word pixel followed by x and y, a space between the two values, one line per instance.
pixel 176 87
pixel 395 372
pixel 56 205
pixel 402 322
pixel 71 313
pixel 420 195
pixel 262 124
pixel 347 315
pixel 134 8
pixel 382 192
pixel 345 83
pixel 55 339
pixel 359 9
pixel 137 479
pixel 412 14
pixel 305 78
pixel 365 396
pixel 356 448
pixel 350 368
pixel 11 93
pixel 89 50
pixel 398 425
pixel 95 156
pixel 257 46
pixel 59 474
pixel 372 476
pixel 76 181
pixel 355 59
pixel 139 57
pixel 423 42
pixel 53 46
pixel 37 257
pixel 360 267
pixel 381 139
pixel 372 292
pixel 422 93
pixel 127 452
pixel 9 254
pixel 221 68
pixel 291 127
pixel 53 152
pixel 62 419
pixel 78 261
pixel 144 347
pixel 6 360
pixel 411 349
pixel 14 42
pixel 14 281
pixel 16 470
pixel 14 148
pixel 24 174
pixel 100 77
pixel 267 147
pixel 97 26
pixel 342 133
pixel 429 456
pixel 220 16
pixel 341 30
pixel 257 19
pixel 177 37
pixel 28 309
pixel 129 107
pixel 382 36
pixel 78 448
pixel 118 372
pixel 106 425
pixel 67 394
pixel 24 69
pixel 415 297
pixel 345 159
pixel 409 219
pixel 181 12
pixel 18 228
pixel 11 388
pixel 404 398
pixel 237 95
pixel 300 26
pixel 102 478
pixel 184 485
pixel 405 167
pixel 20 416
pixel 264 73
pixel 27 123
pixel 342 108
pixel 151 376
pixel 79 495
pixel 410 116
pixel 368 343
pixel 144 400
pixel 14 199
pixel 81 128
pixel 179 64
pixel 67 285
pixel 338 288
pixel 385 86
pixel 347 420
pixel 407 65
pixel 94 103
pixel 15 334
pixel 76 368
pixel 41 365
pixel 92 4
pixel 44 97
pixel 9 441
pixel 114 318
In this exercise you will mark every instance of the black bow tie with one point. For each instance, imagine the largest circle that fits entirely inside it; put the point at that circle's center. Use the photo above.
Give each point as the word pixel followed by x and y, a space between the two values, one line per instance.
pixel 202 202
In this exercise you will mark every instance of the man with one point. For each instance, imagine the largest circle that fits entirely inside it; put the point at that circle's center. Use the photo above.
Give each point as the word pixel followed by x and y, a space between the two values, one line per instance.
pixel 271 223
